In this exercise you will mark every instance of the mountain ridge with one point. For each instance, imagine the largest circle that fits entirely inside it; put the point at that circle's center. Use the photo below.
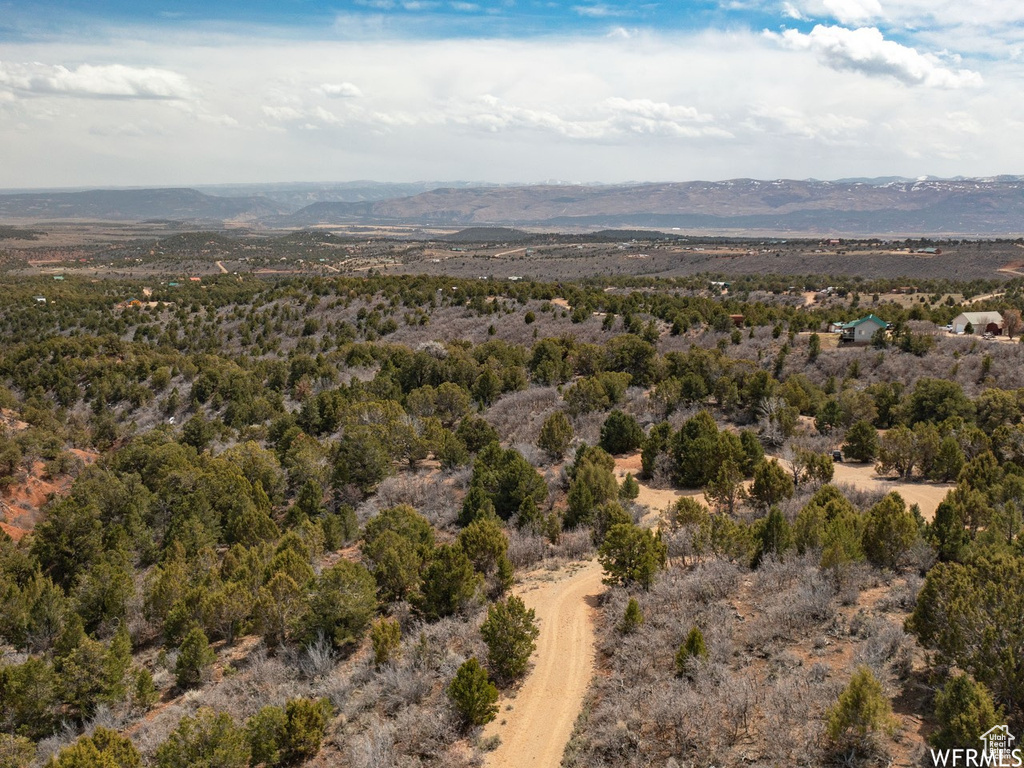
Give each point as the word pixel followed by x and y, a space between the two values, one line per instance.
pixel 989 206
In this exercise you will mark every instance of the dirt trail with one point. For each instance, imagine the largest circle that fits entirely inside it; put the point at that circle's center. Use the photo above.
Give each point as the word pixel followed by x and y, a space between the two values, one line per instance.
pixel 221 267
pixel 536 729
pixel 657 500
pixel 863 476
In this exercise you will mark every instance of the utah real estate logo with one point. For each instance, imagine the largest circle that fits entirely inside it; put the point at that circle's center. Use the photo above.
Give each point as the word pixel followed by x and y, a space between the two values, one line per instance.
pixel 997 752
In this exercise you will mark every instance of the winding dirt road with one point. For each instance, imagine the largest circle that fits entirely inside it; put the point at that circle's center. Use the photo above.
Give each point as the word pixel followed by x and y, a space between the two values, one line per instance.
pixel 536 725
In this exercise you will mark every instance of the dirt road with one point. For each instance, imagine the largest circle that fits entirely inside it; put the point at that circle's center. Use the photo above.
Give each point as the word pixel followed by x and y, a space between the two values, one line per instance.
pixel 657 500
pixel 536 724
pixel 928 496
pixel 862 476
pixel 536 729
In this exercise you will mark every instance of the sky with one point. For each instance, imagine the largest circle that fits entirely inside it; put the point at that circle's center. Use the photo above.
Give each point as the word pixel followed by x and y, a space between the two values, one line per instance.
pixel 140 93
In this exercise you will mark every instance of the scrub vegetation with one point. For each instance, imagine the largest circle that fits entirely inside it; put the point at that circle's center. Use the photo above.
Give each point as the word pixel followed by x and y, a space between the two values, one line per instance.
pixel 290 513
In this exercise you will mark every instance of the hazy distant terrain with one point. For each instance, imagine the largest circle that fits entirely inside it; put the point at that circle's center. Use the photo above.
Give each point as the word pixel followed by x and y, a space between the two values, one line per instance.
pixel 958 207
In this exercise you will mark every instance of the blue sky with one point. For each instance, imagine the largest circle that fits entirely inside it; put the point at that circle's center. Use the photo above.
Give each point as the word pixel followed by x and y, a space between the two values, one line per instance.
pixel 140 93
pixel 421 18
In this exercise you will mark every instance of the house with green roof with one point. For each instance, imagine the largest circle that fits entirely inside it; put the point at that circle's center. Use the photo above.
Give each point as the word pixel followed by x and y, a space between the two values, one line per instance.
pixel 861 331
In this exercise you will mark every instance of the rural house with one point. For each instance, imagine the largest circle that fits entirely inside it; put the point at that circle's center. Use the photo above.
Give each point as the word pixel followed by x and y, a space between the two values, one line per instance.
pixel 980 322
pixel 861 331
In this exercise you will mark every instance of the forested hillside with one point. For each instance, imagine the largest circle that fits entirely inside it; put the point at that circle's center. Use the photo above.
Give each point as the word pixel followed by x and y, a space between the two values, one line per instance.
pixel 287 517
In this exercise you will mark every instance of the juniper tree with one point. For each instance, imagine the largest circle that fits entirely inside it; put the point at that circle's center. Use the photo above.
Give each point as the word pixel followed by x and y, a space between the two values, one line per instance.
pixel 195 657
pixel 693 648
pixel 510 631
pixel 631 555
pixel 555 435
pixel 861 710
pixel 632 618
pixel 965 710
pixel 474 696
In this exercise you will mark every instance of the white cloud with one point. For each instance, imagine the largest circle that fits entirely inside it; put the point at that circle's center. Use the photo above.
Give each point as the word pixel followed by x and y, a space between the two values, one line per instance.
pixel 866 50
pixel 655 110
pixel 129 130
pixel 326 117
pixel 992 27
pixel 611 120
pixel 792 12
pixel 283 114
pixel 226 121
pixel 853 11
pixel 655 107
pixel 110 81
pixel 339 90
pixel 826 127
pixel 621 33
pixel 599 11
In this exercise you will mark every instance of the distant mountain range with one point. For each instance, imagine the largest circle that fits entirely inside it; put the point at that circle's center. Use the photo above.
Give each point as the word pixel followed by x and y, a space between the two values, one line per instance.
pixel 984 207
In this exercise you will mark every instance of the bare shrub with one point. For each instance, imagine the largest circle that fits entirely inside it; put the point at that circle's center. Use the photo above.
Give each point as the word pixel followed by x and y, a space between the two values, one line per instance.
pixel 862 498
pixel 713 580
pixel 575 545
pixel 316 659
pixel 403 685
pixel 526 549
pixel 531 453
pixel 885 644
pixel 587 427
pixel 428 494
pixel 65 736
pixel 903 595
pixel 639 404
pixel 518 416
pixel 374 747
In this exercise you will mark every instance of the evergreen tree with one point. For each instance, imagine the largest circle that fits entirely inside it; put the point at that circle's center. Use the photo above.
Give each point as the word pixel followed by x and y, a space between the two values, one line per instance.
pixel 386 638
pixel 19 752
pixel 207 740
pixel 474 696
pixel 969 614
pixel 771 484
pixel 862 442
pixel 726 490
pixel 103 748
pixel 265 733
pixel 862 709
pixel 773 535
pixel 889 531
pixel 964 710
pixel 510 632
pixel 631 555
pixel 449 583
pixel 629 489
pixel 948 533
pixel 692 649
pixel 632 618
pixel 555 435
pixel 306 725
pixel 621 433
pixel 342 605
pixel 195 657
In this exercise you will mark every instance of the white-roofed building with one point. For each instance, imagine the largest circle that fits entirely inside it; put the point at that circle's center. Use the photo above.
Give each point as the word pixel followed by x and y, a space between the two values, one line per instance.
pixel 980 322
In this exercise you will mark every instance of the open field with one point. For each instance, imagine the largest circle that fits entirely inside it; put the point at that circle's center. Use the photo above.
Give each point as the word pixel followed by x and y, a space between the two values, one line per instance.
pixel 160 248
